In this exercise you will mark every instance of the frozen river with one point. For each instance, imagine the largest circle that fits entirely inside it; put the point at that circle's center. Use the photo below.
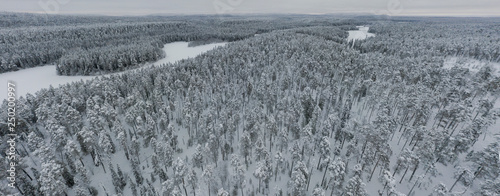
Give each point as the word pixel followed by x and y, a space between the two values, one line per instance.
pixel 33 79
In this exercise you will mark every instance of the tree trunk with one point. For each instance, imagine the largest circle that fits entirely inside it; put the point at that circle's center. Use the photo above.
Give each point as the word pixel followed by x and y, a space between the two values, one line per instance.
pixel 333 189
pixel 270 141
pixel 258 190
pixel 394 132
pixel 402 177
pixel 276 172
pixel 413 173
pixel 411 190
pixel 309 179
pixel 319 161
pixel 184 186
pixel 401 136
pixel 363 150
pixel 343 141
pixel 27 174
pixel 370 116
pixel 373 171
pixel 407 141
pixel 241 188
pixel 323 179
pixel 477 173
pixel 416 142
pixel 458 179
pixel 208 189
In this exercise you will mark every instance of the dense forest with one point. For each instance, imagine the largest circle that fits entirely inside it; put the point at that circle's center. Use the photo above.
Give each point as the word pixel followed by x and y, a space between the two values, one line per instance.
pixel 296 110
pixel 477 39
pixel 79 47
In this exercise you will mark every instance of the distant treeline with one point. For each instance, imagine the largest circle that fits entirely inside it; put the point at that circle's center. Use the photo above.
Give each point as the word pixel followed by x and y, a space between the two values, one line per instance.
pixel 76 45
pixel 474 38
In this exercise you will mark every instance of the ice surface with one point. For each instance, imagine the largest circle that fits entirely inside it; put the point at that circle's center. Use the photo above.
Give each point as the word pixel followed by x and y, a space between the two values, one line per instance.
pixel 33 79
pixel 360 34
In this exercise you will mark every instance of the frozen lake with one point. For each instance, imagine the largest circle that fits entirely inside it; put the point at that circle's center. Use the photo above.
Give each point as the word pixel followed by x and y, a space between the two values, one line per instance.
pixel 360 34
pixel 33 79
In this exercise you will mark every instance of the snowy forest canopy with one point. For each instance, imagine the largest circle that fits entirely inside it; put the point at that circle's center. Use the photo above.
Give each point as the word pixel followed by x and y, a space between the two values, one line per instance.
pixel 110 43
pixel 296 110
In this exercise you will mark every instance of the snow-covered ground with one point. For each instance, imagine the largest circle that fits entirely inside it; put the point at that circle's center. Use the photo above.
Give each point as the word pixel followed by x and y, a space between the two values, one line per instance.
pixel 179 50
pixel 360 34
pixel 33 79
pixel 472 64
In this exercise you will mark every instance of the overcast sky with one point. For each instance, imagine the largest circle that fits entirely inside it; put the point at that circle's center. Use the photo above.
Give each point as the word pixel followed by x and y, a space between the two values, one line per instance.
pixel 145 7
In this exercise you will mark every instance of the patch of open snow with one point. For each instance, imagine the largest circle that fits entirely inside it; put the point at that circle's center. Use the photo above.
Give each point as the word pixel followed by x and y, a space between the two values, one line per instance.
pixel 360 34
pixel 179 50
pixel 33 79
pixel 472 64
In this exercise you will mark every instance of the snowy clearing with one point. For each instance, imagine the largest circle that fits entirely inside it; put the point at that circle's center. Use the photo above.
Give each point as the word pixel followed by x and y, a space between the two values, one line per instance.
pixel 472 64
pixel 360 34
pixel 33 79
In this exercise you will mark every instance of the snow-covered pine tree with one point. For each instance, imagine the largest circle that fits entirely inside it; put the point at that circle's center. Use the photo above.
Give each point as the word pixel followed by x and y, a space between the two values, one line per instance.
pixel 298 180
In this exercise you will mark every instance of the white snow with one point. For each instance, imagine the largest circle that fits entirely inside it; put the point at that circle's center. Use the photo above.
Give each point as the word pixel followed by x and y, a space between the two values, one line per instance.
pixel 472 64
pixel 33 79
pixel 179 50
pixel 360 34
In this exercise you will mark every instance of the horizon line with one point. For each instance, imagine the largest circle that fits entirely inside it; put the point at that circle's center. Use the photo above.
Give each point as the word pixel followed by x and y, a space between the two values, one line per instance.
pixel 253 13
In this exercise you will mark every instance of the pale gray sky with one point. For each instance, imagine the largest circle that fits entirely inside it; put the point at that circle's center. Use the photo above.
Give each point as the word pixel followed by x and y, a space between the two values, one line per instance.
pixel 145 7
